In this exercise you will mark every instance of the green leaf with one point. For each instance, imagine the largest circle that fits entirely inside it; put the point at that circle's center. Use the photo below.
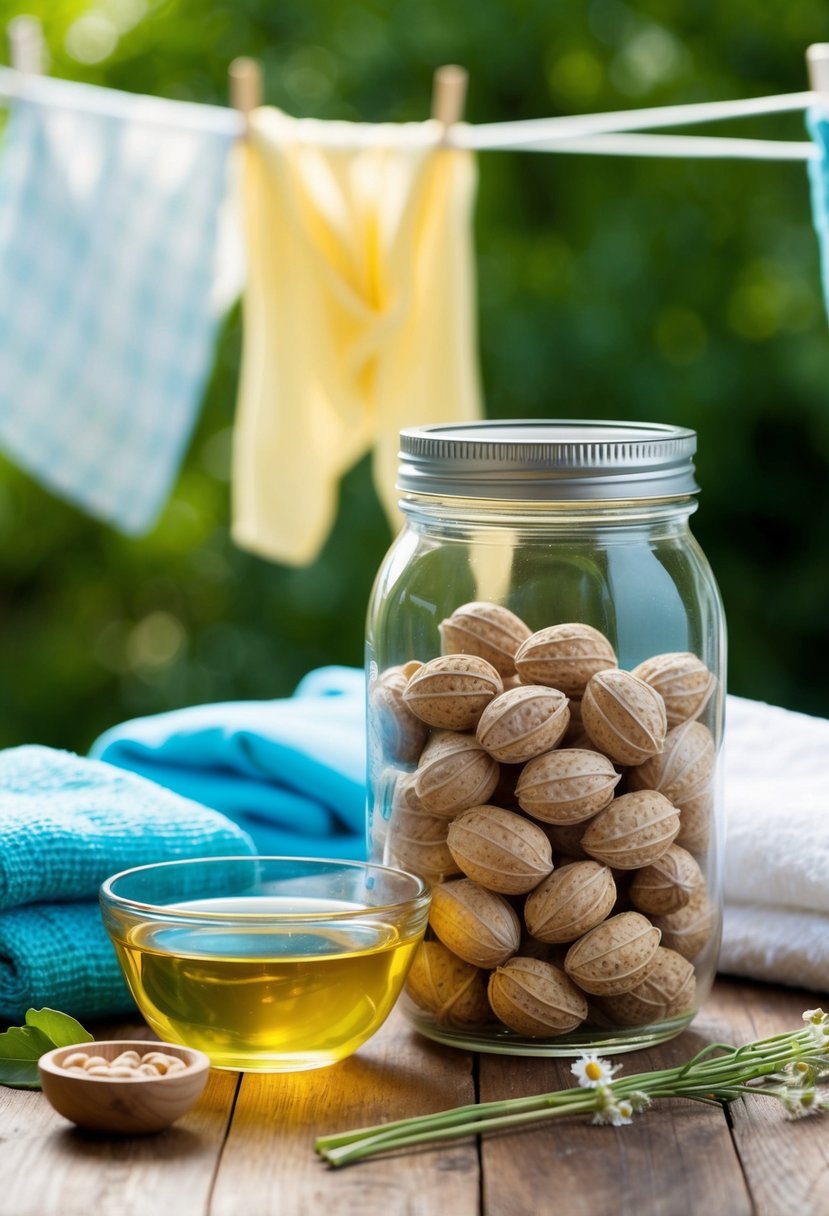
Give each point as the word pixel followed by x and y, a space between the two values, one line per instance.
pixel 20 1049
pixel 22 1046
pixel 62 1029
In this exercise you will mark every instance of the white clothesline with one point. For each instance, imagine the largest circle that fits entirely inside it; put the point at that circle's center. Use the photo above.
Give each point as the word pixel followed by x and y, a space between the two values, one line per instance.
pixel 617 133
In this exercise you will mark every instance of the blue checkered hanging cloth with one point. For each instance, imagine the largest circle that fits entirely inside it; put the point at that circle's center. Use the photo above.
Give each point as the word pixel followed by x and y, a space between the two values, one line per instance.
pixel 109 213
pixel 817 122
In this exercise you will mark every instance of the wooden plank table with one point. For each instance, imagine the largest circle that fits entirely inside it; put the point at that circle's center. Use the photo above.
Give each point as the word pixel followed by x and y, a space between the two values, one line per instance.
pixel 246 1149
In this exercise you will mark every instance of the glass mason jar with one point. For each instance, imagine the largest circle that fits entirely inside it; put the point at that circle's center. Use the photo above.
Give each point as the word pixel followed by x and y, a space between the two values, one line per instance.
pixel 545 659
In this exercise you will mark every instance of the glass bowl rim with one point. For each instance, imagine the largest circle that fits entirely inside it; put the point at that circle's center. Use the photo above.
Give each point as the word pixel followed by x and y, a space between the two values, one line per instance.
pixel 420 898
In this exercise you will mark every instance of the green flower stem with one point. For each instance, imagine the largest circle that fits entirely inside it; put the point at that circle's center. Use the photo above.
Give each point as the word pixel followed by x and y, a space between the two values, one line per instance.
pixel 705 1078
pixel 383 1143
pixel 447 1118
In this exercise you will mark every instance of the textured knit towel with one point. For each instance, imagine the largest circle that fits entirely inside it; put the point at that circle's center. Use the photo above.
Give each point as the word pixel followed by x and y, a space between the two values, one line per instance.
pixel 290 771
pixel 109 207
pixel 359 315
pixel 59 955
pixel 66 824
pixel 777 852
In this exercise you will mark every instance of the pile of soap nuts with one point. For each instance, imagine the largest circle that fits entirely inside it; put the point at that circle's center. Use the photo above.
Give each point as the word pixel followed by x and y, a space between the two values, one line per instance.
pixel 560 807
pixel 128 1064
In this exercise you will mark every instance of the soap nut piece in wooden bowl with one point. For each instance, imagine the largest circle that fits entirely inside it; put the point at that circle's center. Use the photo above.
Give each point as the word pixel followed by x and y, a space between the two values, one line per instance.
pixel 569 902
pixel 565 786
pixel 682 680
pixel 454 773
pixel 624 716
pixel 633 831
pixel 523 722
pixel 103 1100
pixel 489 631
pixel 615 956
pixel 452 691
pixel 667 990
pixel 564 657
pixel 667 884
pixel 451 990
pixel 477 925
pixel 500 850
pixel 535 998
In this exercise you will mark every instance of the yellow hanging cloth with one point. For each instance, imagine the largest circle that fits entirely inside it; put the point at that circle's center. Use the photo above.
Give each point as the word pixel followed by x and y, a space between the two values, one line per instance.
pixel 359 316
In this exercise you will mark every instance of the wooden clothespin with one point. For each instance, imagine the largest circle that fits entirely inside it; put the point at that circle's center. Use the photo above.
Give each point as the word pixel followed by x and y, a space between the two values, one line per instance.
pixel 449 94
pixel 245 80
pixel 26 45
pixel 817 65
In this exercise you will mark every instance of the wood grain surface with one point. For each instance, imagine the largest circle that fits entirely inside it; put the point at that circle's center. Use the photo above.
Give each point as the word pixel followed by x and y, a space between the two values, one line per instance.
pixel 246 1148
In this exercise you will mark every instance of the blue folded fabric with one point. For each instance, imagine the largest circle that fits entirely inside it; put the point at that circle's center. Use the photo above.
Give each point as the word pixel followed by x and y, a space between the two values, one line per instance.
pixel 66 824
pixel 291 772
pixel 59 955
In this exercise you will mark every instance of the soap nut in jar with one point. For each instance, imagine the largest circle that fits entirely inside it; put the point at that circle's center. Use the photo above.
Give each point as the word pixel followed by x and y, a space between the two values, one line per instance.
pixel 615 956
pixel 688 930
pixel 454 773
pixel 417 838
pixel 682 680
pixel 633 831
pixel 564 657
pixel 500 850
pixel 523 722
pixel 569 902
pixel 477 925
pixel 401 734
pixel 624 717
pixel 535 998
pixel 667 990
pixel 453 991
pixel 565 786
pixel 667 884
pixel 489 631
pixel 452 691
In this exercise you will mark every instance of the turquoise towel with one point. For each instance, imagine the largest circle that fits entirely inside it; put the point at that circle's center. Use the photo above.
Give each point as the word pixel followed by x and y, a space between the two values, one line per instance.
pixel 66 824
pixel 291 772
pixel 59 955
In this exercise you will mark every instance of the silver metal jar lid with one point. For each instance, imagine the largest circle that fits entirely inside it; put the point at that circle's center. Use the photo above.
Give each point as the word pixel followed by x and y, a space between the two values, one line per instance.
pixel 554 460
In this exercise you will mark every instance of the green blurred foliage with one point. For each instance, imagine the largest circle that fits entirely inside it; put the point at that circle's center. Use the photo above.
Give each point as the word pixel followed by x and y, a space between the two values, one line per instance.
pixel 672 290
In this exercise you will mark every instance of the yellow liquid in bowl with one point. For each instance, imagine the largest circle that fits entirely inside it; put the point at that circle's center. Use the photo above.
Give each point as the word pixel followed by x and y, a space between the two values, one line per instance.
pixel 270 999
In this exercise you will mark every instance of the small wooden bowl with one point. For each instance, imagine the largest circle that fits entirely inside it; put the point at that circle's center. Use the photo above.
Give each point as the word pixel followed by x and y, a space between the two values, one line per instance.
pixel 124 1105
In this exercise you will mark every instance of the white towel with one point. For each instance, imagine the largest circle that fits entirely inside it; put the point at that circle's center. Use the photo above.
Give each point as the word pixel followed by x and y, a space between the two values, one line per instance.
pixel 109 223
pixel 777 846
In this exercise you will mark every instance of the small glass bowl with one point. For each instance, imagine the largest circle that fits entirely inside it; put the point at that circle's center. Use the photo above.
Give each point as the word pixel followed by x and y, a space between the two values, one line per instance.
pixel 266 964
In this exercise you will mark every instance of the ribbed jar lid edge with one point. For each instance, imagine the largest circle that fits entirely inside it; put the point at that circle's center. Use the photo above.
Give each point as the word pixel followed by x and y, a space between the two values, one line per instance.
pixel 561 459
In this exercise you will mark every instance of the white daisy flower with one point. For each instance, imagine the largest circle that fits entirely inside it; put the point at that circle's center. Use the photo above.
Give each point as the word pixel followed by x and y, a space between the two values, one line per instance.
pixel 803 1102
pixel 592 1071
pixel 615 1113
pixel 800 1073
